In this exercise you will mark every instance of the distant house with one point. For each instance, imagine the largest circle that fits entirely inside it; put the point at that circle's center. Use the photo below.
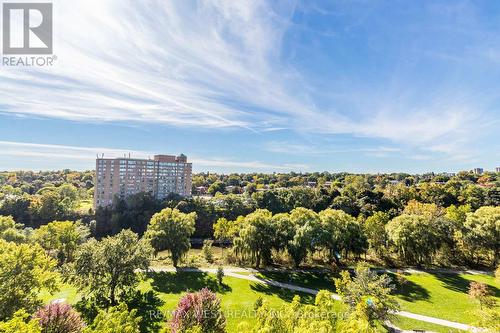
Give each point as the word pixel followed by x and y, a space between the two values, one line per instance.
pixel 311 184
pixel 327 184
pixel 201 190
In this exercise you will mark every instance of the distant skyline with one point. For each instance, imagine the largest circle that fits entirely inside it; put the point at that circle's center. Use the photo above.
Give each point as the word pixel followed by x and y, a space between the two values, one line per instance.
pixel 244 86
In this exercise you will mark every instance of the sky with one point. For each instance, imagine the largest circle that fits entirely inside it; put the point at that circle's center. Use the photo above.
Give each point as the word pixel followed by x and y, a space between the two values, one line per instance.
pixel 262 86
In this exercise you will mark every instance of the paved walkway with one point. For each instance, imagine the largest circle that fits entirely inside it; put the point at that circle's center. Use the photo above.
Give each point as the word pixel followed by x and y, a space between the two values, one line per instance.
pixel 236 273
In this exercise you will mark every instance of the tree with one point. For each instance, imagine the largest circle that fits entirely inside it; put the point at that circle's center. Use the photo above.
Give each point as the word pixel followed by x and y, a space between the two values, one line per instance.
pixel 170 230
pixel 20 323
pixel 414 236
pixel 307 236
pixel 207 251
pixel 296 317
pixel 482 231
pixel 61 238
pixel 341 233
pixel 24 271
pixel 367 295
pixel 224 230
pixel 59 317
pixel 117 319
pixel 375 231
pixel 220 275
pixel 108 267
pixel 11 231
pixel 480 292
pixel 217 187
pixel 255 237
pixel 200 309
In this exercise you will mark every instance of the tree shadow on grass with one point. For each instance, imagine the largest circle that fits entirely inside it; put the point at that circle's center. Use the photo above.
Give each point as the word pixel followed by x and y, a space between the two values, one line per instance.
pixel 180 282
pixel 408 290
pixel 314 280
pixel 284 294
pixel 458 283
pixel 148 308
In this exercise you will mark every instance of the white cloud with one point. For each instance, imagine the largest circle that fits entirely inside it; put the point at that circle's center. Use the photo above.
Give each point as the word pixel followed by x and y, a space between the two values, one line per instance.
pixel 206 63
pixel 65 155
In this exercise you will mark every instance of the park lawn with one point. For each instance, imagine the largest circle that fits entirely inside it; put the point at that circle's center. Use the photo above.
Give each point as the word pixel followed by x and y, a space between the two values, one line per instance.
pixel 433 294
pixel 412 324
pixel 238 296
pixel 66 291
pixel 163 290
pixel 438 295
pixel 443 295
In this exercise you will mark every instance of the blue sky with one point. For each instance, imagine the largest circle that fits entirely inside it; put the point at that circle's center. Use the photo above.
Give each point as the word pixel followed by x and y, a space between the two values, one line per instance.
pixel 359 86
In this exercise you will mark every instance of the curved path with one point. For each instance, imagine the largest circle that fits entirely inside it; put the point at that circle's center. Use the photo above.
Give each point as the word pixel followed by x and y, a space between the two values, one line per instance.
pixel 236 273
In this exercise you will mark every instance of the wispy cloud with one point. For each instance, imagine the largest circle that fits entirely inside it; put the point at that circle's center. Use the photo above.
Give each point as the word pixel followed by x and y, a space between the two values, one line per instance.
pixel 220 64
pixel 66 155
pixel 286 147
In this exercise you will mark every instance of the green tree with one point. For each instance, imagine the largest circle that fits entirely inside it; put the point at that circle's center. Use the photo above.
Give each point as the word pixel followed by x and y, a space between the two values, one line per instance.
pixel 117 319
pixel 375 231
pixel 482 231
pixel 367 295
pixel 207 250
pixel 11 231
pixel 340 232
pixel 24 271
pixel 255 237
pixel 20 323
pixel 217 187
pixel 61 238
pixel 170 230
pixel 414 236
pixel 108 267
pixel 296 317
pixel 307 236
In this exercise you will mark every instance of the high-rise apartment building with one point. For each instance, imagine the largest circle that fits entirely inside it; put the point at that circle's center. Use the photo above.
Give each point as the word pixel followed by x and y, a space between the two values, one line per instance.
pixel 160 176
pixel 478 171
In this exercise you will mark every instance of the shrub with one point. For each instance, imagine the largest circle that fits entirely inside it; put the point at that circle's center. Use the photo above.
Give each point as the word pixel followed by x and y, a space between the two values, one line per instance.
pixel 220 275
pixel 59 317
pixel 258 303
pixel 207 251
pixel 480 292
pixel 201 309
pixel 116 320
pixel 19 323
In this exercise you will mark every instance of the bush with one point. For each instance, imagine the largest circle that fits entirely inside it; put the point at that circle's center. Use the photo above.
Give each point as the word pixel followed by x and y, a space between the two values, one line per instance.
pixel 199 310
pixel 59 317
pixel 19 323
pixel 117 320
pixel 480 292
pixel 220 275
pixel 207 251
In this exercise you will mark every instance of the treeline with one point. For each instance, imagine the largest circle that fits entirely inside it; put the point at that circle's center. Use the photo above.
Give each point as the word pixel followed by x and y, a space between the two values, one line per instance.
pixel 423 235
pixel 250 182
pixel 355 195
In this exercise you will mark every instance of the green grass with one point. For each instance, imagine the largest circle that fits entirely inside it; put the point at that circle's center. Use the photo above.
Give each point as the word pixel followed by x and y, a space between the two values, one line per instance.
pixel 443 295
pixel 163 290
pixel 437 295
pixel 412 324
pixel 237 296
